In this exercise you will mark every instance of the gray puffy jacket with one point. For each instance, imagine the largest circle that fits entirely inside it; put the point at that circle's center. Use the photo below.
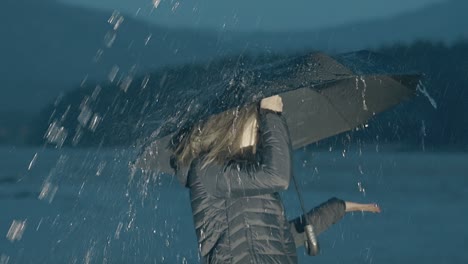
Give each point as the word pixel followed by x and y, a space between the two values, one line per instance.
pixel 238 213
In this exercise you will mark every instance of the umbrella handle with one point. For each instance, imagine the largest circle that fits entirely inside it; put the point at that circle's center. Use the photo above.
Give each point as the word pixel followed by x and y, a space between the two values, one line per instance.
pixel 311 243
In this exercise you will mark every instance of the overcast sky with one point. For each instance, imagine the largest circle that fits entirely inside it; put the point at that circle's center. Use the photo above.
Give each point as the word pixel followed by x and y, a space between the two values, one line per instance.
pixel 249 15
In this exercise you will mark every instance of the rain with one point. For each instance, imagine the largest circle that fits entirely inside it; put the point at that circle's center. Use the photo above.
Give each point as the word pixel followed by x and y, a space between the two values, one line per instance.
pixel 94 93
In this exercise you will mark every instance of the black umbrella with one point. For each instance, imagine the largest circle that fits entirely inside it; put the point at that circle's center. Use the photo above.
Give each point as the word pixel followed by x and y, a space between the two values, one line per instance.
pixel 322 96
pixel 131 111
pixel 315 114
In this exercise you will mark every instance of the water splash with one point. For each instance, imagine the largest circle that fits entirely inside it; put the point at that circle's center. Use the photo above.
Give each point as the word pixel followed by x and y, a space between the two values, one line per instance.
pixel 16 231
pixel 423 90
pixel 56 134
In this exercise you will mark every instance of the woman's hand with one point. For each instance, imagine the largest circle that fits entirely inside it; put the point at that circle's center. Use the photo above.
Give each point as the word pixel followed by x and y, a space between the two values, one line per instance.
pixel 273 103
pixel 372 207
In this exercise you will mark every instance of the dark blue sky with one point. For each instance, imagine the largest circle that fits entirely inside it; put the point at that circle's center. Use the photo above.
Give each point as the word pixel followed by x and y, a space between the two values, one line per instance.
pixel 268 15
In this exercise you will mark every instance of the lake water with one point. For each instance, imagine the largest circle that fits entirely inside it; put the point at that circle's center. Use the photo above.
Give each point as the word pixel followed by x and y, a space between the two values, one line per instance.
pixel 87 206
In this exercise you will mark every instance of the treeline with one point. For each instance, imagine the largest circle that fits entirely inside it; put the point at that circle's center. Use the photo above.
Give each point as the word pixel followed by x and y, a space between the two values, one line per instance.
pixel 416 123
pixel 438 119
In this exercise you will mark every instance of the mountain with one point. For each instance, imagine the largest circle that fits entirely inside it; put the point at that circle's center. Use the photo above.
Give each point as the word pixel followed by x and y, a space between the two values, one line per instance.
pixel 441 22
pixel 48 48
pixel 114 114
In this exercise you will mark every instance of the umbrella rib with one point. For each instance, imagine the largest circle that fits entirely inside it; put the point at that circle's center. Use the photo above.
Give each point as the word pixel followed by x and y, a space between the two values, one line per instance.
pixel 336 109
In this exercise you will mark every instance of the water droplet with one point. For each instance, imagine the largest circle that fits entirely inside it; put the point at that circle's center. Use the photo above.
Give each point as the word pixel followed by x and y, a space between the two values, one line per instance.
pixel 364 105
pixel 126 82
pixel 56 134
pixel 88 256
pixel 15 233
pixel 65 114
pixel 38 225
pixel 4 259
pixel 118 22
pixel 118 230
pixel 114 17
pixel 109 38
pixel 98 55
pixel 175 6
pixel 361 188
pixel 145 82
pixel 113 73
pixel 96 92
pixel 48 191
pixel 77 137
pixel 148 38
pixel 156 3
pixel 100 168
pixel 33 161
pixel 94 122
pixel 84 115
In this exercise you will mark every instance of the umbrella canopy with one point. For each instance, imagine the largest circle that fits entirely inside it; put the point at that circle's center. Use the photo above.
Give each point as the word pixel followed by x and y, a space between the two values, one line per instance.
pixel 131 111
pixel 315 114
pixel 322 96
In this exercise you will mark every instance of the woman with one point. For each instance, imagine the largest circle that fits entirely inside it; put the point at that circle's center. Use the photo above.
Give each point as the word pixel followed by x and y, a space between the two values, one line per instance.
pixel 238 162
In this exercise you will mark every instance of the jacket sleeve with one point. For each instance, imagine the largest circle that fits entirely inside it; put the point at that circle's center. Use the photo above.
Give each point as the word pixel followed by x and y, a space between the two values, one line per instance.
pixel 270 172
pixel 320 217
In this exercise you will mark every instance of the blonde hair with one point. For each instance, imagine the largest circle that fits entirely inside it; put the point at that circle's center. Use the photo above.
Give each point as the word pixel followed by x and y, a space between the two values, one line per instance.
pixel 217 139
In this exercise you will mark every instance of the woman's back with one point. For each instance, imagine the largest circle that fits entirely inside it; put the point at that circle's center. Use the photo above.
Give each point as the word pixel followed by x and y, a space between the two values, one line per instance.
pixel 245 229
pixel 238 213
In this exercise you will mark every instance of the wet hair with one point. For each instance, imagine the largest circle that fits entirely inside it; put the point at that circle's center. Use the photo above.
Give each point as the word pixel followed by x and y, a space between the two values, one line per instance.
pixel 217 139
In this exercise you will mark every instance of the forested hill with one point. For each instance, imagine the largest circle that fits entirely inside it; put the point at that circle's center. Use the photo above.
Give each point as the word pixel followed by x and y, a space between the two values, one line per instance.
pixel 48 47
pixel 446 80
pixel 440 124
